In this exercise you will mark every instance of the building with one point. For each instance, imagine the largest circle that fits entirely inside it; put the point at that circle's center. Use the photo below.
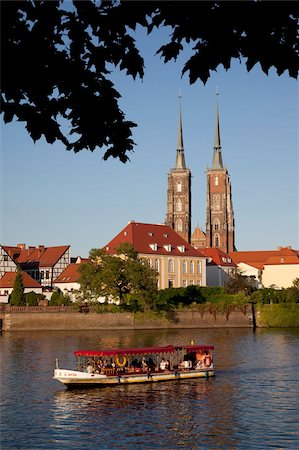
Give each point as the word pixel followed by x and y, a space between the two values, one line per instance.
pixel 7 263
pixel 67 281
pixel 220 267
pixel 176 261
pixel 7 283
pixel 178 214
pixel 270 268
pixel 43 264
pixel 220 224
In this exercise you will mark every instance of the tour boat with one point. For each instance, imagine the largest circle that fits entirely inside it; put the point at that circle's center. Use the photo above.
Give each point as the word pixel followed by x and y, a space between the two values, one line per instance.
pixel 137 365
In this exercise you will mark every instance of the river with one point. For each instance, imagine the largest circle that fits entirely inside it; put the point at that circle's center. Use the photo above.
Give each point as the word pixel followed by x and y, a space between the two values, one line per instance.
pixel 252 403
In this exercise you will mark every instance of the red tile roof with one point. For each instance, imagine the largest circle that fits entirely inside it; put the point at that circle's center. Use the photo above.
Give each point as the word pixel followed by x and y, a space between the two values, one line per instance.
pixel 143 236
pixel 69 275
pixel 261 257
pixel 218 257
pixel 8 279
pixel 43 256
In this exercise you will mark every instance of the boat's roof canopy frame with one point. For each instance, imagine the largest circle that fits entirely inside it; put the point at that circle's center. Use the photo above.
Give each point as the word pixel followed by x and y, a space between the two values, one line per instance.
pixel 144 350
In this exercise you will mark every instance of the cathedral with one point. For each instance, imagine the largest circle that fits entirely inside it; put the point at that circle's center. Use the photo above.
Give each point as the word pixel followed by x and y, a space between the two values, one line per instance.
pixel 220 225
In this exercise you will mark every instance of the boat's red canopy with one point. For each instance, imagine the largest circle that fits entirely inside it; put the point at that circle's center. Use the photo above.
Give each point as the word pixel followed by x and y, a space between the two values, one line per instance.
pixel 143 350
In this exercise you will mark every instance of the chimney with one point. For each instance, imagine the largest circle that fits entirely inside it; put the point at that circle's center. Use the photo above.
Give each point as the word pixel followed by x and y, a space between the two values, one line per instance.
pixel 21 246
pixel 41 247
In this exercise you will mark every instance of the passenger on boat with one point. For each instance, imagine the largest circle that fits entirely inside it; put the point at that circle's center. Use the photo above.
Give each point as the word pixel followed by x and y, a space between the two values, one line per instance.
pixel 144 364
pixel 89 368
pixel 207 359
pixel 163 364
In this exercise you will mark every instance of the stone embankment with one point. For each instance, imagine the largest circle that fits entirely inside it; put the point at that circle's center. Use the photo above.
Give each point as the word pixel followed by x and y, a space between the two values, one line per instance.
pixel 65 318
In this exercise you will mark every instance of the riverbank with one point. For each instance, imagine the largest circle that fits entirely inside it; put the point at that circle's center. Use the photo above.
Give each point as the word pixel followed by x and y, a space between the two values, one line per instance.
pixel 36 318
pixel 65 318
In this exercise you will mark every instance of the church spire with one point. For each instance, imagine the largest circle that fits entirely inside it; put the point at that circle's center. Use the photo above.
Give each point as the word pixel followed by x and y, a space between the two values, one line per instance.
pixel 180 156
pixel 217 156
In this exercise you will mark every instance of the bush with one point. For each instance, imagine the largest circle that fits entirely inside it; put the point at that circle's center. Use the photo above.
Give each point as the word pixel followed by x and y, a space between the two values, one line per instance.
pixel 279 315
pixel 31 298
pixel 58 299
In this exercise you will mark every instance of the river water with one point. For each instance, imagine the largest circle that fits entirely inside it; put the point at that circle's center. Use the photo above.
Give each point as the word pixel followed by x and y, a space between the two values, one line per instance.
pixel 252 403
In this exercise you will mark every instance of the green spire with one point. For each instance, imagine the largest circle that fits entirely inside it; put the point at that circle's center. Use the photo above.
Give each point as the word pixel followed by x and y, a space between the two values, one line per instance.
pixel 217 156
pixel 180 156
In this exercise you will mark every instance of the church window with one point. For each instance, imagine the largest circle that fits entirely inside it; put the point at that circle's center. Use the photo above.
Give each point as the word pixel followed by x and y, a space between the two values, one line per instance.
pixel 171 265
pixel 191 267
pixel 179 205
pixel 179 187
pixel 179 225
pixel 184 267
pixel 217 224
pixel 216 181
pixel 217 240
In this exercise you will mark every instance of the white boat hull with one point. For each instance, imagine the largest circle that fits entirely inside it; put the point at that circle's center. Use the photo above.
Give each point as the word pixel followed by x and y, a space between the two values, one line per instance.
pixel 72 378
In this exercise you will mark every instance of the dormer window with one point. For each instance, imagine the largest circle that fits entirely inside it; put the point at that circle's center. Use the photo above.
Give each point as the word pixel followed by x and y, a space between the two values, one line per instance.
pixel 154 247
pixel 165 235
pixel 150 233
pixel 182 248
pixel 167 247
pixel 125 233
pixel 107 248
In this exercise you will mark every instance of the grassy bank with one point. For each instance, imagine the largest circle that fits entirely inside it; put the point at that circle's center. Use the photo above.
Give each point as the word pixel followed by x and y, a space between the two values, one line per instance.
pixel 279 315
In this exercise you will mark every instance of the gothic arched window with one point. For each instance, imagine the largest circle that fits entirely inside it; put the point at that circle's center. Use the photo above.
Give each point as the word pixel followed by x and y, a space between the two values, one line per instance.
pixel 179 225
pixel 216 181
pixel 216 224
pixel 179 187
pixel 217 240
pixel 184 266
pixel 179 205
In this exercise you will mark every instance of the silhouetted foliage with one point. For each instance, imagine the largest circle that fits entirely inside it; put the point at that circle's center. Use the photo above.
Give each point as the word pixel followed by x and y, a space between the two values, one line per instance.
pixel 57 56
pixel 31 298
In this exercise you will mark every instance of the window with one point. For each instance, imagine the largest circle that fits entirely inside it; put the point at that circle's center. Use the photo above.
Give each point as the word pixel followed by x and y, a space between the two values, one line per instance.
pixel 217 240
pixel 179 187
pixel 156 264
pixel 5 258
pixel 148 262
pixel 42 275
pixel 198 267
pixel 47 274
pixel 154 247
pixel 184 283
pixel 216 181
pixel 170 283
pixel 184 266
pixel 179 225
pixel 198 282
pixel 191 267
pixel 191 282
pixel 170 265
pixel 167 247
pixel 181 248
pixel 179 205
pixel 216 224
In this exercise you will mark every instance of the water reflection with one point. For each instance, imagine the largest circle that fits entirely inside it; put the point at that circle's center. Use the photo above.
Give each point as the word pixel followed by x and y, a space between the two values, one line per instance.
pixel 251 403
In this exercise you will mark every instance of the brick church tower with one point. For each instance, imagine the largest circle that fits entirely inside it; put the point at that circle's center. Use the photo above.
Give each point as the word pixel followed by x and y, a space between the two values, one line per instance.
pixel 220 224
pixel 178 214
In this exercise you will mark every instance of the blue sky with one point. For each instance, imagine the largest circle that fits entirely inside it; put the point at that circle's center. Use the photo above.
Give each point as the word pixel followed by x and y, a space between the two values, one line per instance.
pixel 53 197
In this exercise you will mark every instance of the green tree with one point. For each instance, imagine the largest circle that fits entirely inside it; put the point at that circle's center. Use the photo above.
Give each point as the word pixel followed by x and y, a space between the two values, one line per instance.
pixel 115 276
pixel 66 51
pixel 17 297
